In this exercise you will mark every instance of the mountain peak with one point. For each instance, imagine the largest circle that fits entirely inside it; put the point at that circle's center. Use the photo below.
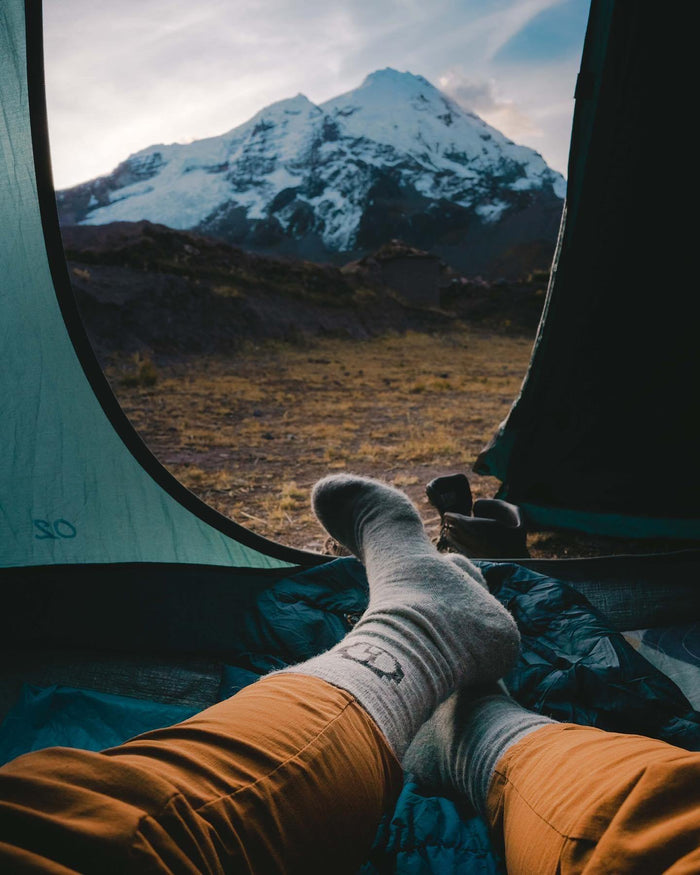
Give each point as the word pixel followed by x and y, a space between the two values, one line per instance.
pixel 391 83
pixel 291 106
pixel 393 77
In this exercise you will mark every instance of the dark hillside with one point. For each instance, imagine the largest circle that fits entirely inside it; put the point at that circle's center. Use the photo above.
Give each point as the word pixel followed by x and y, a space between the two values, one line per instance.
pixel 145 286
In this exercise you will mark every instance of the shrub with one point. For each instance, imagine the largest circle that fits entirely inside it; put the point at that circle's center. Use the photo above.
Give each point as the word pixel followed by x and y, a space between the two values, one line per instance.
pixel 145 373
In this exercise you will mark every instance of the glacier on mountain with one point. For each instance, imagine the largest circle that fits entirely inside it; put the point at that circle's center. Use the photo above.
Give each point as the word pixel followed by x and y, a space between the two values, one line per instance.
pixel 302 170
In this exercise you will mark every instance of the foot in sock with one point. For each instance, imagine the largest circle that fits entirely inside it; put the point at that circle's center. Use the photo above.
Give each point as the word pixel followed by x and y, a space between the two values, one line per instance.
pixel 455 753
pixel 430 625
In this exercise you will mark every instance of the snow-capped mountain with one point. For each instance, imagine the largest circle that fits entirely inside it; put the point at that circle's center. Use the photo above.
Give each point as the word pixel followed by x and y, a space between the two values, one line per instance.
pixel 394 158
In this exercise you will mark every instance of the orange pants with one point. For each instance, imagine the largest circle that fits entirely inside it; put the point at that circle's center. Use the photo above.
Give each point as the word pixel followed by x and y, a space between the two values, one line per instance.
pixel 576 799
pixel 291 775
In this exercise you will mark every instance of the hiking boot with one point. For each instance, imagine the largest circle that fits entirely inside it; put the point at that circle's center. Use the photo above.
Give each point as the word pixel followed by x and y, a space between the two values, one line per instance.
pixel 450 493
pixel 487 529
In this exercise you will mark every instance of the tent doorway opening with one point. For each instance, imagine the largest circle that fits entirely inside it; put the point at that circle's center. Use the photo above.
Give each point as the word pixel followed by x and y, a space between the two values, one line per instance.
pixel 249 391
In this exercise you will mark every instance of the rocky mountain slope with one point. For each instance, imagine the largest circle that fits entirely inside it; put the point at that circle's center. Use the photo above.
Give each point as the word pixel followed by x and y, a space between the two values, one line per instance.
pixel 146 287
pixel 394 158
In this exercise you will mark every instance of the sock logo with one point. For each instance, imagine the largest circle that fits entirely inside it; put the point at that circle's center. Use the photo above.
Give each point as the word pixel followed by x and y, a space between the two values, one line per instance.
pixel 381 662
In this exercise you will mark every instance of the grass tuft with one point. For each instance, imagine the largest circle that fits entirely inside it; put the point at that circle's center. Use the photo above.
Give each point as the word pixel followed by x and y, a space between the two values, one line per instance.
pixel 143 372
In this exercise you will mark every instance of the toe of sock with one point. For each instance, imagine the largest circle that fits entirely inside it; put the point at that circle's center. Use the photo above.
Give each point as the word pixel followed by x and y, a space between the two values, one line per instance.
pixel 344 504
pixel 334 500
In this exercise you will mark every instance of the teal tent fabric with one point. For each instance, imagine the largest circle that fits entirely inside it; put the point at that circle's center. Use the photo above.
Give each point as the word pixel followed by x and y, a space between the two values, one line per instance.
pixel 603 437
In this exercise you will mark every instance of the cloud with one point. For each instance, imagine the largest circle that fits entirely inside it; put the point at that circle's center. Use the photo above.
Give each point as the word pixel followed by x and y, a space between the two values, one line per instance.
pixel 165 70
pixel 160 71
pixel 481 97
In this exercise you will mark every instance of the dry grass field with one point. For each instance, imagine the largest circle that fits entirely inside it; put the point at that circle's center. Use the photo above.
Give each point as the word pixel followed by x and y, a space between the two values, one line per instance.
pixel 252 432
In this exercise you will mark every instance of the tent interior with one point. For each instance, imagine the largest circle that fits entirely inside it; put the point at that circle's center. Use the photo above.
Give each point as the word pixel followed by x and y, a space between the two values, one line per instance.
pixel 129 604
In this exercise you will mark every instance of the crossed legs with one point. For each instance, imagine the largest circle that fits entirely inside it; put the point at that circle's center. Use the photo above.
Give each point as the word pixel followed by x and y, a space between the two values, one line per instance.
pixel 293 773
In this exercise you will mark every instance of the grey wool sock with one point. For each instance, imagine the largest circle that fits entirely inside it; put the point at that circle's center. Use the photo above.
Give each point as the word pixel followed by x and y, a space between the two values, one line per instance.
pixel 429 625
pixel 456 751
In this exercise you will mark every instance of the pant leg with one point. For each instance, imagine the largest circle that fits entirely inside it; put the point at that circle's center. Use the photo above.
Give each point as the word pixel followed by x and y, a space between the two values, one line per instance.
pixel 290 775
pixel 573 799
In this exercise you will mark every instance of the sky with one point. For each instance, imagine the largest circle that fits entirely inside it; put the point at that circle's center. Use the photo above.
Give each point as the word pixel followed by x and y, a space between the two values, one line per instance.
pixel 125 75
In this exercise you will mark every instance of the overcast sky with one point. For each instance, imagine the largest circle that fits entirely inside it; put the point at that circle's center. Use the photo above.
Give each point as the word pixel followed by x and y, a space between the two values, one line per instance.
pixel 125 75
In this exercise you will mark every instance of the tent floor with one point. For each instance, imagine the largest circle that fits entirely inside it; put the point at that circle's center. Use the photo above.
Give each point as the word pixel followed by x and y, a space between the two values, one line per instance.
pixel 182 681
